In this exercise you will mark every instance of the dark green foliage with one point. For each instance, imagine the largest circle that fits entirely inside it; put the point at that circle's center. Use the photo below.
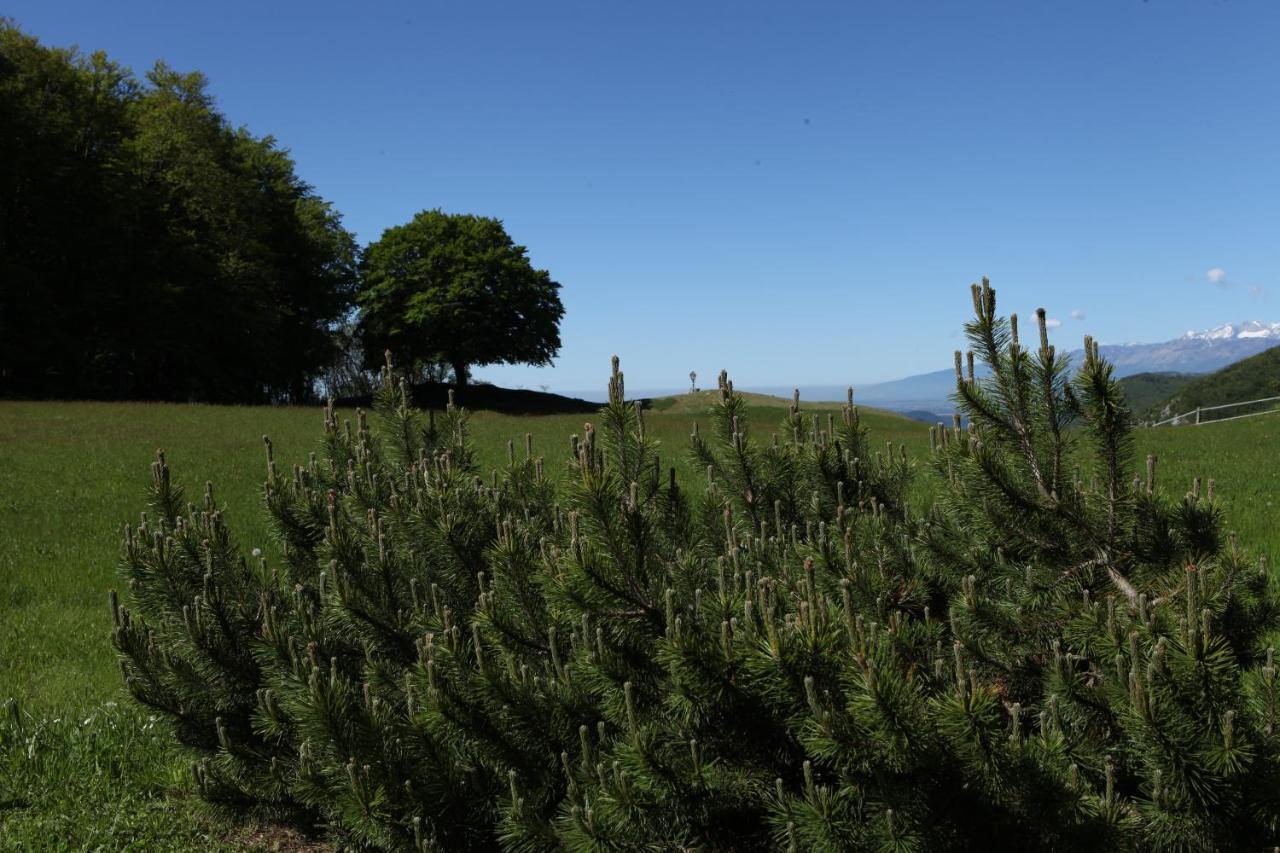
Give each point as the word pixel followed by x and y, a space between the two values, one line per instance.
pixel 1051 657
pixel 1253 378
pixel 1144 390
pixel 455 289
pixel 148 249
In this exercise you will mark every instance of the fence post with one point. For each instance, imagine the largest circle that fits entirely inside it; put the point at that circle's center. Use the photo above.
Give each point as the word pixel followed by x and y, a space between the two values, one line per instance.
pixel 1197 416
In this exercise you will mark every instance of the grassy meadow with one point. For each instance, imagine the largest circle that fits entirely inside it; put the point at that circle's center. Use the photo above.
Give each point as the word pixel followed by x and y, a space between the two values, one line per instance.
pixel 1243 457
pixel 80 766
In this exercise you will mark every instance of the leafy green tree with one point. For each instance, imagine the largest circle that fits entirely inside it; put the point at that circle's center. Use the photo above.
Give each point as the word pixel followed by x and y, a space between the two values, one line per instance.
pixel 455 288
pixel 1058 654
pixel 66 119
pixel 148 248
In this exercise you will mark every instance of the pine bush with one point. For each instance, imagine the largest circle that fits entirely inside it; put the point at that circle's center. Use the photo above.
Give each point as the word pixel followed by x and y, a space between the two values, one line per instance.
pixel 1057 654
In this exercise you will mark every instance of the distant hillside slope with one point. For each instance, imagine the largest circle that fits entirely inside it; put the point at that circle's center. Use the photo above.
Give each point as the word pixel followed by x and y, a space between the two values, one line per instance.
pixel 1145 390
pixel 702 401
pixel 1251 379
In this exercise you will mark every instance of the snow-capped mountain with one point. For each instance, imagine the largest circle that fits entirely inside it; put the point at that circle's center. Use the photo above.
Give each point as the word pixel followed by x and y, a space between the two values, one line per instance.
pixel 1196 351
pixel 1232 331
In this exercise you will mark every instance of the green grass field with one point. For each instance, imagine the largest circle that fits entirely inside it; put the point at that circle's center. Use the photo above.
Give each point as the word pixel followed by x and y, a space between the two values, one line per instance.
pixel 1243 456
pixel 78 771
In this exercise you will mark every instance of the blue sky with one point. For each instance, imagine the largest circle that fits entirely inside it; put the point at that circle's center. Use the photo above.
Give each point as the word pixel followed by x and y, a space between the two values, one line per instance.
pixel 796 192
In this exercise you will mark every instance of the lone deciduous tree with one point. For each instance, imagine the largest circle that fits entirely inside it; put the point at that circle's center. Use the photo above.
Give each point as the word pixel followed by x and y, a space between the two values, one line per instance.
pixel 455 288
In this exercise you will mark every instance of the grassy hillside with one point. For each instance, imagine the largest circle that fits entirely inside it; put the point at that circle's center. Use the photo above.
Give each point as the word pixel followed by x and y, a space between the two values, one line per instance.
pixel 700 402
pixel 78 471
pixel 1251 379
pixel 1145 390
pixel 1240 456
pixel 81 767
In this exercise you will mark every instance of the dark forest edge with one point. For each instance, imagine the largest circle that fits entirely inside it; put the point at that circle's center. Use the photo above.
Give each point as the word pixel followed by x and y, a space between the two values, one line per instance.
pixel 148 248
pixel 152 250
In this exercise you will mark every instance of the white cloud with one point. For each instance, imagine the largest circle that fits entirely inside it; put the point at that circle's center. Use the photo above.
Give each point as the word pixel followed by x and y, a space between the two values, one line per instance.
pixel 1218 278
pixel 1053 323
pixel 1077 314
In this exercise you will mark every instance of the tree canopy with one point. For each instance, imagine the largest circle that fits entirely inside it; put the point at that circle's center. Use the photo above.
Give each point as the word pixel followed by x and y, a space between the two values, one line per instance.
pixel 148 249
pixel 455 288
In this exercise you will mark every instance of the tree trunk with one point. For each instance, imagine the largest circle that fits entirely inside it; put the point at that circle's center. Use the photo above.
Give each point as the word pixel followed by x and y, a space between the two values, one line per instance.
pixel 461 375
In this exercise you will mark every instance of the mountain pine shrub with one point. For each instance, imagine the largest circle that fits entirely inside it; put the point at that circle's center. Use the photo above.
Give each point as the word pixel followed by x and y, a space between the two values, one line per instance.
pixel 1057 654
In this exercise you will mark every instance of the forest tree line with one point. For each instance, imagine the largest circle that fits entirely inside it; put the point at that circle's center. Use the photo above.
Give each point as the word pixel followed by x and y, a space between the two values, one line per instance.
pixel 150 249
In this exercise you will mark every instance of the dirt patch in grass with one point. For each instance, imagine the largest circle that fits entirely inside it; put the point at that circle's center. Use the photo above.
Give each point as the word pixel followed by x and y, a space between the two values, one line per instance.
pixel 275 837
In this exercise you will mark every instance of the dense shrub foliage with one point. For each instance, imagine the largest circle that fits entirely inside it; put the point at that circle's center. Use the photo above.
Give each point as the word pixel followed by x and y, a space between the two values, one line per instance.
pixel 148 248
pixel 1058 654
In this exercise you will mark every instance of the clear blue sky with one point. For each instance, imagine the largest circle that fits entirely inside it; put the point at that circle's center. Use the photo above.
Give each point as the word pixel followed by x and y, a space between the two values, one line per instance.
pixel 797 192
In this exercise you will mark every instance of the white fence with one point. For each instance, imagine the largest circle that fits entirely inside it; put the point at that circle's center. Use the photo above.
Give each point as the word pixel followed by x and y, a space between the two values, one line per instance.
pixel 1196 416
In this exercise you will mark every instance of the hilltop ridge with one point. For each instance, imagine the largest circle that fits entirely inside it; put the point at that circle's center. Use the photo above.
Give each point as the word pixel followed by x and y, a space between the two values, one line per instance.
pixel 1253 378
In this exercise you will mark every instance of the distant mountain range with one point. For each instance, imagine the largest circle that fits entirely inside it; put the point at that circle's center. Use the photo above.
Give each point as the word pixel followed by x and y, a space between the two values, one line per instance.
pixel 1194 352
